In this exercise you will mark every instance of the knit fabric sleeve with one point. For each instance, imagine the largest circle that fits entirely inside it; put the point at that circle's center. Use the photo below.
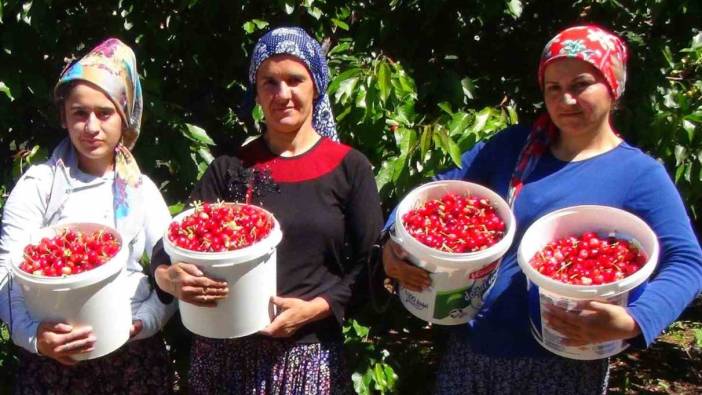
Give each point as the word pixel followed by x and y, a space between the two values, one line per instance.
pixel 23 213
pixel 678 277
pixel 363 223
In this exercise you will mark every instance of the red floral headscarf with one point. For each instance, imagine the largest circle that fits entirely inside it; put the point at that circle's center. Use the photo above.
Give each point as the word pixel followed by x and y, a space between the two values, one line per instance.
pixel 592 44
pixel 595 45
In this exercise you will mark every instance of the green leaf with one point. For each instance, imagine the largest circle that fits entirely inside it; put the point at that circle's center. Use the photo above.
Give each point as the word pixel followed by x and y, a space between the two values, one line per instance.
pixel 315 12
pixel 680 154
pixel 404 114
pixel 253 25
pixel 289 8
pixel 334 85
pixel 446 107
pixel 679 173
pixel 1 10
pixel 205 154
pixel 249 27
pixel 690 129
pixel 341 47
pixel 459 123
pixel 176 208
pixel 384 175
pixel 390 375
pixel 398 166
pixel 698 337
pixel 425 141
pixel 408 139
pixel 468 88
pixel 515 8
pixel 340 24
pixel 455 152
pixel 380 377
pixel 384 81
pixel 513 117
pixel 6 90
pixel 198 134
pixel 480 120
pixel 345 90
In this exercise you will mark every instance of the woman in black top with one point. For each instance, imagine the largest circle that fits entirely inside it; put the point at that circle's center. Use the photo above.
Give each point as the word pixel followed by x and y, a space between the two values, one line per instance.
pixel 324 195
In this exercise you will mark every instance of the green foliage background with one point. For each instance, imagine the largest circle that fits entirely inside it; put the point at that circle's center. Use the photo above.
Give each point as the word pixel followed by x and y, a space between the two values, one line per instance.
pixel 416 82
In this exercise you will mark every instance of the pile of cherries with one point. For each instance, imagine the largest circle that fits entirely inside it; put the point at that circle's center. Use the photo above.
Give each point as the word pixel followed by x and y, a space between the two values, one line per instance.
pixel 70 252
pixel 221 227
pixel 455 223
pixel 588 259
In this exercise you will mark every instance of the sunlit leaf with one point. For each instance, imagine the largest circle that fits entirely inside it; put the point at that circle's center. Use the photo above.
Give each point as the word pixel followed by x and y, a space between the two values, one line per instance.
pixel 6 90
pixel 468 88
pixel 515 8
pixel 198 134
pixel 340 24
pixel 384 81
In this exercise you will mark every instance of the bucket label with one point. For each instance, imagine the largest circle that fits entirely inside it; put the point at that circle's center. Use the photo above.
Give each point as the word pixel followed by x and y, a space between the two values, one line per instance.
pixel 451 303
pixel 553 340
pixel 458 303
pixel 483 272
pixel 414 301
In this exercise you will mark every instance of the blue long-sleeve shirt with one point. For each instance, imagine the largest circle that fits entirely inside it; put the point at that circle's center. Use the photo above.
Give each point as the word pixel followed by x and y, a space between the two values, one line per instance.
pixel 623 177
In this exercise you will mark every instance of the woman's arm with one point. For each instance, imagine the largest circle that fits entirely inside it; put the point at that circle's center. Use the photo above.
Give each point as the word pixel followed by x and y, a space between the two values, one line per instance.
pixel 151 312
pixel 23 214
pixel 185 281
pixel 364 220
pixel 678 277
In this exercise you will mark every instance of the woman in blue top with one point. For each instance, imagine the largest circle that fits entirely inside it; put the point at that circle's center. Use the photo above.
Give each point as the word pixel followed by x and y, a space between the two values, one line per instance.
pixel 570 156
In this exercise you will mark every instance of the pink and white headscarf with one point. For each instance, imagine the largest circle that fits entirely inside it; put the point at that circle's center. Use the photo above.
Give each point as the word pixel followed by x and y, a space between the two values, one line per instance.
pixel 592 44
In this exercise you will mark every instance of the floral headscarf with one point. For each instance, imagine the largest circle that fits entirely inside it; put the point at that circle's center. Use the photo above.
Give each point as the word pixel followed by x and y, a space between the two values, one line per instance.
pixel 592 44
pixel 296 42
pixel 111 66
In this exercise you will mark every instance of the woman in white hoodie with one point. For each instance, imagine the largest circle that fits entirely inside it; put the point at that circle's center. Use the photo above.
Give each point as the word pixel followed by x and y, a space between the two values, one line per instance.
pixel 92 177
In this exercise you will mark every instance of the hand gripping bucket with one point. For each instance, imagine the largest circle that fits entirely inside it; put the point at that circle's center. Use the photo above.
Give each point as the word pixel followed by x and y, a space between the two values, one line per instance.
pixel 458 281
pixel 543 291
pixel 251 275
pixel 96 298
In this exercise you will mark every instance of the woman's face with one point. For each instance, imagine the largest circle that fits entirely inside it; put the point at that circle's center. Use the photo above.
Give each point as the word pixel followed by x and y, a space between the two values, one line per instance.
pixel 285 90
pixel 93 123
pixel 577 96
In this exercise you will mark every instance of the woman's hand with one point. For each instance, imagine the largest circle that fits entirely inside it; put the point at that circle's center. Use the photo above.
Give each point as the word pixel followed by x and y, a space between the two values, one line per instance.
pixel 187 283
pixel 295 314
pixel 59 341
pixel 397 266
pixel 597 322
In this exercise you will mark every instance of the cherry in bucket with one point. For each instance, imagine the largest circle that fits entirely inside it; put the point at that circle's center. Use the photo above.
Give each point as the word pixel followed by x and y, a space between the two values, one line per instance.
pixel 455 223
pixel 588 259
pixel 69 252
pixel 221 227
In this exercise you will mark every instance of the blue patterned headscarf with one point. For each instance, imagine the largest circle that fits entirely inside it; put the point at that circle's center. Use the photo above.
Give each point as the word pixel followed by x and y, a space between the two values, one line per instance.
pixel 296 42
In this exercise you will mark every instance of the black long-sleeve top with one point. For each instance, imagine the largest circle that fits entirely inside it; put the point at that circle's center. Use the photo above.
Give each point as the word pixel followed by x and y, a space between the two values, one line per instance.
pixel 327 204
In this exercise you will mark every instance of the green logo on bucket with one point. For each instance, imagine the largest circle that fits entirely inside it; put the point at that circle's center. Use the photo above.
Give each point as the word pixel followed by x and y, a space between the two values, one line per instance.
pixel 451 303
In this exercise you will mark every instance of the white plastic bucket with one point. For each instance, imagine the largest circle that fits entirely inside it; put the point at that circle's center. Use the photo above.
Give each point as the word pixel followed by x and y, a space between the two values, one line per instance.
pixel 96 298
pixel 458 281
pixel 250 273
pixel 544 291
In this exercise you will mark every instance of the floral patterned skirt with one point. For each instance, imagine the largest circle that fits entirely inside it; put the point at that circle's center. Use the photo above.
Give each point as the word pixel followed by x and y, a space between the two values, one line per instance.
pixel 462 371
pixel 139 367
pixel 262 365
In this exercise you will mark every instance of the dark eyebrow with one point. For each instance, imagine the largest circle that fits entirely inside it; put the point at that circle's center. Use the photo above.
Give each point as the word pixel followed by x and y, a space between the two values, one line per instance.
pixel 77 106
